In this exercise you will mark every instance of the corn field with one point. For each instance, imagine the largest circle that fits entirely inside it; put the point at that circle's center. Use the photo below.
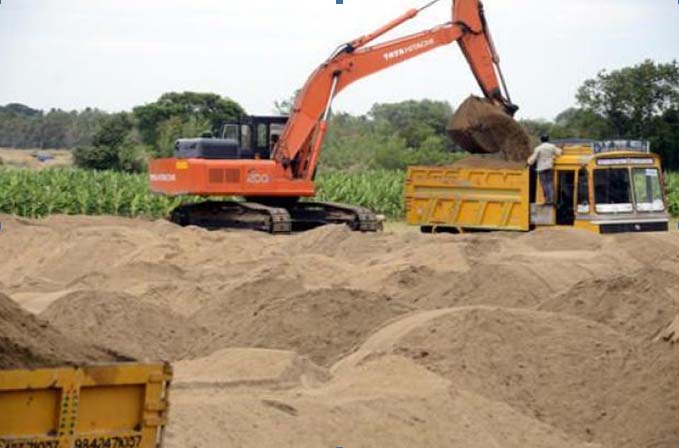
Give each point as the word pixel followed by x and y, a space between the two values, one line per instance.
pixel 380 191
pixel 33 193
pixel 72 191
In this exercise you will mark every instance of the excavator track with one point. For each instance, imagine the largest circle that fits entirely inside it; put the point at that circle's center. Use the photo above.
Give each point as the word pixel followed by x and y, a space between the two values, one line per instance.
pixel 308 215
pixel 275 218
pixel 215 215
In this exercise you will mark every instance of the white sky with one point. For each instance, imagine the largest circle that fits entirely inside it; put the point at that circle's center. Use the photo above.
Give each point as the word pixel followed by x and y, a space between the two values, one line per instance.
pixel 114 54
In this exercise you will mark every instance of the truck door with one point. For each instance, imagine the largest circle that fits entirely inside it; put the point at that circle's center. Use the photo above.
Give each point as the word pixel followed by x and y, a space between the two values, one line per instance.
pixel 565 189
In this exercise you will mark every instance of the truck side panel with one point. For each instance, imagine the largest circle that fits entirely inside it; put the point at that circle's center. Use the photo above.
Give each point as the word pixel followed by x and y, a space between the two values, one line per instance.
pixel 468 197
pixel 121 405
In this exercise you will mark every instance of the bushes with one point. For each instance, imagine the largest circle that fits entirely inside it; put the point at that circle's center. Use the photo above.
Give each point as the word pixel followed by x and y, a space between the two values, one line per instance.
pixel 116 146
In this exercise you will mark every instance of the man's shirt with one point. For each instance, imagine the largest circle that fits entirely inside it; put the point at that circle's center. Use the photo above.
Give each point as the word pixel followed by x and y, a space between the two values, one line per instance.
pixel 545 155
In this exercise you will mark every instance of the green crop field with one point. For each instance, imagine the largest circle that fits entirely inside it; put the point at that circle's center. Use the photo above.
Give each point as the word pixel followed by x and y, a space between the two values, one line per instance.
pixel 33 193
pixel 379 190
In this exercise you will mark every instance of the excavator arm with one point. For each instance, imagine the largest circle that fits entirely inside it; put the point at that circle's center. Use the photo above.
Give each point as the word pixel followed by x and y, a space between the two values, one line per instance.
pixel 299 146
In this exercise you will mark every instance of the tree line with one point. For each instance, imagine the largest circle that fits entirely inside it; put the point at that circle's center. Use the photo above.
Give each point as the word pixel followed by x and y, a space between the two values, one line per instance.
pixel 24 127
pixel 637 102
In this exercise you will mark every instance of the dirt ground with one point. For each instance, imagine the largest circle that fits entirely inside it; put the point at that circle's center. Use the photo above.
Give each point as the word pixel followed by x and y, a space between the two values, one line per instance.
pixel 556 338
pixel 27 158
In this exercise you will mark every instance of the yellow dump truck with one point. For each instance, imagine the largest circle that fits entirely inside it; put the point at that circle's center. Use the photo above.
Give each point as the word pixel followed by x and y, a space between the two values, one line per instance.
pixel 605 187
pixel 116 406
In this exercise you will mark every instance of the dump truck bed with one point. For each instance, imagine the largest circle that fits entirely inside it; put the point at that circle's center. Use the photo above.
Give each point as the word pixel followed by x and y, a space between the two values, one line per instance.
pixel 464 197
pixel 111 406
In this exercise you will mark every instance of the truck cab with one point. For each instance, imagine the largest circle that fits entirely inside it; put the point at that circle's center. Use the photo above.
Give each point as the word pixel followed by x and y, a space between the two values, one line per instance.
pixel 607 187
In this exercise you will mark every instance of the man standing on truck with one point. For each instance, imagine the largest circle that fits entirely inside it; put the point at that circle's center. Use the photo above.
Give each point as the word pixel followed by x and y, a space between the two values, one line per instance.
pixel 544 154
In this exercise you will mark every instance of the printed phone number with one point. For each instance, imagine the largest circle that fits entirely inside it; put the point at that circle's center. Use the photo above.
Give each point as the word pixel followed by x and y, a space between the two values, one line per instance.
pixel 85 442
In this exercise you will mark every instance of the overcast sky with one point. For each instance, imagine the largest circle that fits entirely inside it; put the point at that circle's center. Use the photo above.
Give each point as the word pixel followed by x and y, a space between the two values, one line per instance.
pixel 114 54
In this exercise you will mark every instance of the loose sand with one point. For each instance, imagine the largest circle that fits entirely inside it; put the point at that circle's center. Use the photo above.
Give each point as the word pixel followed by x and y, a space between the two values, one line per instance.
pixel 28 342
pixel 555 338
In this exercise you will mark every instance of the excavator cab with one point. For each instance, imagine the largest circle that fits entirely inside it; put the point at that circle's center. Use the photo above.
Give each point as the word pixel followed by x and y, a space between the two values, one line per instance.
pixel 256 136
pixel 249 137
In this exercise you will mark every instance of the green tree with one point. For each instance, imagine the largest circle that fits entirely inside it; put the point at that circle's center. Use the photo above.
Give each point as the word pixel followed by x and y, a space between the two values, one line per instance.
pixel 177 127
pixel 185 106
pixel 21 109
pixel 19 126
pixel 86 125
pixel 114 131
pixel 112 146
pixel 582 123
pixel 55 129
pixel 392 137
pixel 630 98
pixel 24 127
pixel 639 102
pixel 415 121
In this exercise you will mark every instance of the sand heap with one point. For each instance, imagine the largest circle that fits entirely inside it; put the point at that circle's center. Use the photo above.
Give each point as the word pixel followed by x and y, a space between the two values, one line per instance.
pixel 123 324
pixel 587 386
pixel 638 305
pixel 554 338
pixel 322 324
pixel 480 127
pixel 28 342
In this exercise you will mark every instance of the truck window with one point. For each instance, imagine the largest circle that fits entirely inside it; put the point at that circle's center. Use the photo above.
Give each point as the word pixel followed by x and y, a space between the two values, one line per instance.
pixel 583 191
pixel 612 193
pixel 647 190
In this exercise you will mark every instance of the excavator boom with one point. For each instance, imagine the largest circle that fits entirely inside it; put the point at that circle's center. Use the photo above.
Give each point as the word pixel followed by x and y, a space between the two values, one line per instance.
pixel 299 147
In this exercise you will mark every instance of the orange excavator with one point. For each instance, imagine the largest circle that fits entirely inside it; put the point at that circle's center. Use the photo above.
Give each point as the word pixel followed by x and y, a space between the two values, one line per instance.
pixel 271 161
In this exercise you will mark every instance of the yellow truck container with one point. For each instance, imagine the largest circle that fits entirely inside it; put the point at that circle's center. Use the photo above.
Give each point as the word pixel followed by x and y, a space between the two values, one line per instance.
pixel 116 406
pixel 468 198
pixel 605 187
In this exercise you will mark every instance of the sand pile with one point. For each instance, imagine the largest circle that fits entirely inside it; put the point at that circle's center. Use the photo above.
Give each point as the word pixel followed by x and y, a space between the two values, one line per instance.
pixel 638 305
pixel 331 338
pixel 480 127
pixel 28 342
pixel 531 361
pixel 123 324
pixel 321 324
pixel 386 401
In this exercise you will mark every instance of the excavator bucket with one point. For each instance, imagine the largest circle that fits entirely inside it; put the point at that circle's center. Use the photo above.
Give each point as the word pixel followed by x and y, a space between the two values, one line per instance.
pixel 479 126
